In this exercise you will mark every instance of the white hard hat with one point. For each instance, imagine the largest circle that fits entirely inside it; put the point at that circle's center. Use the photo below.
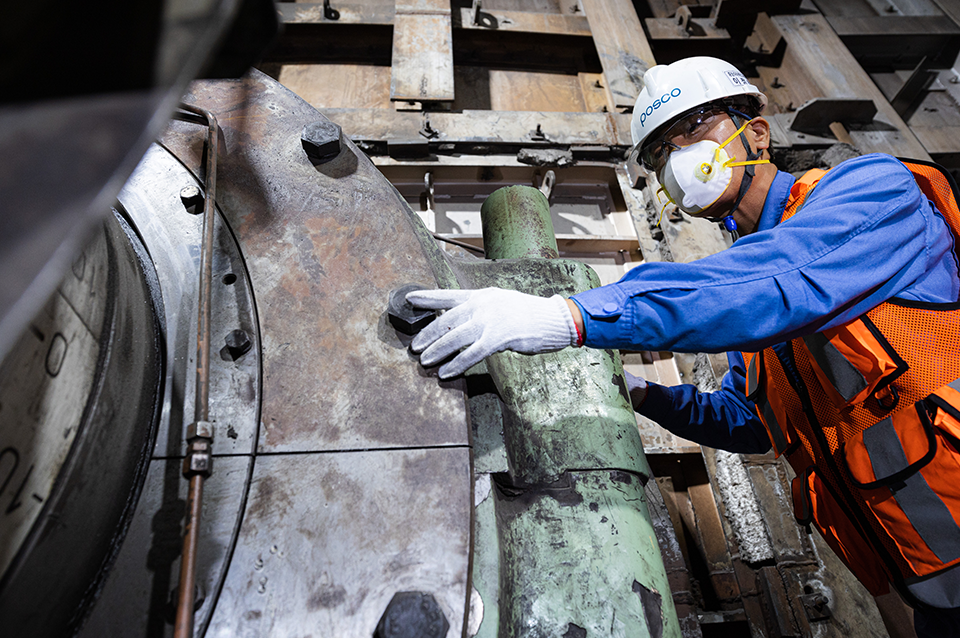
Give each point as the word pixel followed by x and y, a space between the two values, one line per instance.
pixel 672 89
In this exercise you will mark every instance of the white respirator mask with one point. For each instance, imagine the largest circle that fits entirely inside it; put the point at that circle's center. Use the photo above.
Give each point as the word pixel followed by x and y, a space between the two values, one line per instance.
pixel 696 176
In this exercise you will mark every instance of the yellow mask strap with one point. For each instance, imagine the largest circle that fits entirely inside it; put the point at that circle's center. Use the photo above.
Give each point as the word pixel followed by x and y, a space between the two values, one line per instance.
pixel 730 164
pixel 664 207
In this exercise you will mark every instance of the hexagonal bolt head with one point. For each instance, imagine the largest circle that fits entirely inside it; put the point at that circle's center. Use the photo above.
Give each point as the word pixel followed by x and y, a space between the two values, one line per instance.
pixel 403 316
pixel 203 429
pixel 199 458
pixel 192 199
pixel 321 140
pixel 238 344
pixel 412 614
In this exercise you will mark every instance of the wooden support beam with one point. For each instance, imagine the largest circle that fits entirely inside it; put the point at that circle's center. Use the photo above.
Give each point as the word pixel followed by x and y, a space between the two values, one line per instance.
pixel 525 21
pixel 345 12
pixel 624 51
pixel 899 40
pixel 490 127
pixel 422 51
pixel 817 64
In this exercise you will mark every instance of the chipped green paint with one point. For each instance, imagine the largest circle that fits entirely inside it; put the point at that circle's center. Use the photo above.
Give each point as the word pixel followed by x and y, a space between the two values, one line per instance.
pixel 564 545
pixel 517 223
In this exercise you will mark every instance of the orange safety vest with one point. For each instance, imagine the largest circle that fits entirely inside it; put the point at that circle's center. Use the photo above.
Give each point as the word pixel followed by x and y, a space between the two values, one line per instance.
pixel 870 422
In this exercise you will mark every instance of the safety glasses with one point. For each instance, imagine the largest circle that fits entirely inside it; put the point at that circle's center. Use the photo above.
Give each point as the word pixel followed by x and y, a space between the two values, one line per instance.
pixel 687 130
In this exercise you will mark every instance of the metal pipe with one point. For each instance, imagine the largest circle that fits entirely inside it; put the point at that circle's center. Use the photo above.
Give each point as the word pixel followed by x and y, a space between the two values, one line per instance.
pixel 517 224
pixel 202 398
pixel 188 560
pixel 197 464
pixel 573 497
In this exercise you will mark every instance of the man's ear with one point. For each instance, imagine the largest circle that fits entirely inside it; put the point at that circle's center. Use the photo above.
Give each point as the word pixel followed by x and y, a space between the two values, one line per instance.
pixel 761 133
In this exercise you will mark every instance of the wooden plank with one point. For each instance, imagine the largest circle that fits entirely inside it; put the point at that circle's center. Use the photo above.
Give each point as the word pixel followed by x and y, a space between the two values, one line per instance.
pixel 893 26
pixel 339 85
pixel 594 93
pixel 622 45
pixel 951 8
pixel 817 64
pixel 422 51
pixel 506 127
pixel 483 88
pixel 637 207
pixel 347 12
pixel 535 91
pixel 939 140
pixel 698 30
pixel 539 6
pixel 525 21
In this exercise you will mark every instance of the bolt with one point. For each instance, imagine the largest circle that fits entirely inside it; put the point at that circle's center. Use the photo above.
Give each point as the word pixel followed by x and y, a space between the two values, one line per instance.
pixel 192 199
pixel 412 614
pixel 321 140
pixel 238 344
pixel 199 458
pixel 403 316
pixel 202 429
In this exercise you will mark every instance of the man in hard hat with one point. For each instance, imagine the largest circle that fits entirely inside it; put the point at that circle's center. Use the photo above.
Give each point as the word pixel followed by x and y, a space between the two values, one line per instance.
pixel 837 305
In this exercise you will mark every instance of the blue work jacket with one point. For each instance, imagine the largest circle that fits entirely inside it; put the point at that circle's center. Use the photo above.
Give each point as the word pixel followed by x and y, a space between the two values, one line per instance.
pixel 864 235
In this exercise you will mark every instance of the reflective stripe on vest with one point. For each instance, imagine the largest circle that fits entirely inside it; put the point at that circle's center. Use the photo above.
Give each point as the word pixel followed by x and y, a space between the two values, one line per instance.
pixel 940 590
pixel 843 376
pixel 755 374
pixel 926 511
pixel 773 427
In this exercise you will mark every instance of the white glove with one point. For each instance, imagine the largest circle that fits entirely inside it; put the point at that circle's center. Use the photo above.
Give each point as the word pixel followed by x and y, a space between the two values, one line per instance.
pixel 637 387
pixel 487 321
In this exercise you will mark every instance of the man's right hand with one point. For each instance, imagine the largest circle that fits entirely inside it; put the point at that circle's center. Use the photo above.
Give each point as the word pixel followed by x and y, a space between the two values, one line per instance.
pixel 482 322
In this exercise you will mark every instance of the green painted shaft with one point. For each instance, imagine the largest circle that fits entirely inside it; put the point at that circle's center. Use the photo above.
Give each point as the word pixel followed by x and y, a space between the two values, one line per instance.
pixel 517 224
pixel 565 544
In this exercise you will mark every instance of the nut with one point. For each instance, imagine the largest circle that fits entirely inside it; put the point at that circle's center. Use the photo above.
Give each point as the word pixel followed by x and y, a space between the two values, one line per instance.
pixel 403 316
pixel 237 344
pixel 412 614
pixel 202 429
pixel 321 140
pixel 199 459
pixel 192 199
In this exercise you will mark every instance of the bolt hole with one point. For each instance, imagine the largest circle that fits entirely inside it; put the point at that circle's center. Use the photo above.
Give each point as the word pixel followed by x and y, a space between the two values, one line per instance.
pixel 229 279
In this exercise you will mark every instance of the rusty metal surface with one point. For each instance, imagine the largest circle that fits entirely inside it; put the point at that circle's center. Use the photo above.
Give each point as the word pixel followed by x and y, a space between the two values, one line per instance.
pixel 151 198
pixel 324 246
pixel 326 542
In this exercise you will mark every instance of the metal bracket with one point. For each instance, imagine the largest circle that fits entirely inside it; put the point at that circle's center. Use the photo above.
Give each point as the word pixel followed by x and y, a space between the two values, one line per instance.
pixel 329 12
pixel 817 606
pixel 816 115
pixel 428 131
pixel 546 186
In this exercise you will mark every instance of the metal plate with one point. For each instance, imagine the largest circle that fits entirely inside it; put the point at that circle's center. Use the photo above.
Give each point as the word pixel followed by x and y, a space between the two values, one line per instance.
pixel 329 533
pixel 328 540
pixel 324 246
pixel 151 197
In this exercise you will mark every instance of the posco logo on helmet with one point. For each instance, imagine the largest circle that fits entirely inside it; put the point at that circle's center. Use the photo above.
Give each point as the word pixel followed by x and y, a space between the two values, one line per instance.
pixel 660 101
